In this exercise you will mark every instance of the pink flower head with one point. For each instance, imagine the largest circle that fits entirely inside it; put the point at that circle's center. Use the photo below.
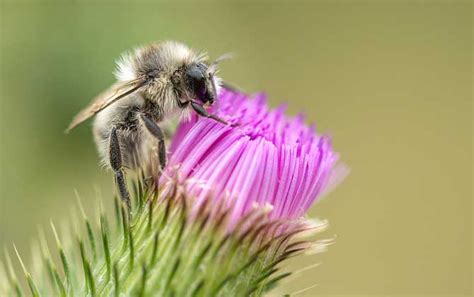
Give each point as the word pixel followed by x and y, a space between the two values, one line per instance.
pixel 263 158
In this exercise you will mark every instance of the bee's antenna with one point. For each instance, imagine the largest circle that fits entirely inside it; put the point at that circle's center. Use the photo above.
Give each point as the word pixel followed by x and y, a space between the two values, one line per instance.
pixel 226 56
pixel 213 65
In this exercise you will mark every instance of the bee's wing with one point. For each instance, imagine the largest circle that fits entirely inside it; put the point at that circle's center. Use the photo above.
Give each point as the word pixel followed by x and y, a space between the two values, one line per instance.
pixel 117 91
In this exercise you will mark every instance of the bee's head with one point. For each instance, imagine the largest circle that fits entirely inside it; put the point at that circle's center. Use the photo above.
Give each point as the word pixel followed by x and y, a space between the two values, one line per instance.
pixel 200 83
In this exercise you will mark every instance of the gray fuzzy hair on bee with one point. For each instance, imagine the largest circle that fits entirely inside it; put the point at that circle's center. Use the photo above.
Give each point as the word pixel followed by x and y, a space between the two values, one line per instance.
pixel 169 67
pixel 154 83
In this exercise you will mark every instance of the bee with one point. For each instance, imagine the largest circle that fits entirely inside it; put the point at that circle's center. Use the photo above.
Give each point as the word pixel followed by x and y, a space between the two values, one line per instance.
pixel 154 83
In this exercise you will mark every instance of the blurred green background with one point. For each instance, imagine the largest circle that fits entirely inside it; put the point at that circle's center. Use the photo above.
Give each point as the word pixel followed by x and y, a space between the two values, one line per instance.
pixel 390 81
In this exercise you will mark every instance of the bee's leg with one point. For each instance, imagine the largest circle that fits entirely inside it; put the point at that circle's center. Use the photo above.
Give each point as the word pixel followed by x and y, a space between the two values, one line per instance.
pixel 156 131
pixel 200 110
pixel 115 156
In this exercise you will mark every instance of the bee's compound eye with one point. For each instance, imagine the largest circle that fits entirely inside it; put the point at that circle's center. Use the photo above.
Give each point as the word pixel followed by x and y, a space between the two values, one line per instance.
pixel 194 74
pixel 197 82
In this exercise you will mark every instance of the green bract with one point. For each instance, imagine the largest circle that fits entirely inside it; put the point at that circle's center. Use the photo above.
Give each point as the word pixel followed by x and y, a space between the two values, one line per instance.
pixel 163 249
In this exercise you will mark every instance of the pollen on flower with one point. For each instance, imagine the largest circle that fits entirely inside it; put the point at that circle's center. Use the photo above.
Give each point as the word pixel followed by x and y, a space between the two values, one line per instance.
pixel 266 208
pixel 263 158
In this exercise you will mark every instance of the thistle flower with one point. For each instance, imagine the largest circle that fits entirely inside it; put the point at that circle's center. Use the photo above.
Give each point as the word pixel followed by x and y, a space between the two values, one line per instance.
pixel 263 158
pixel 224 217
